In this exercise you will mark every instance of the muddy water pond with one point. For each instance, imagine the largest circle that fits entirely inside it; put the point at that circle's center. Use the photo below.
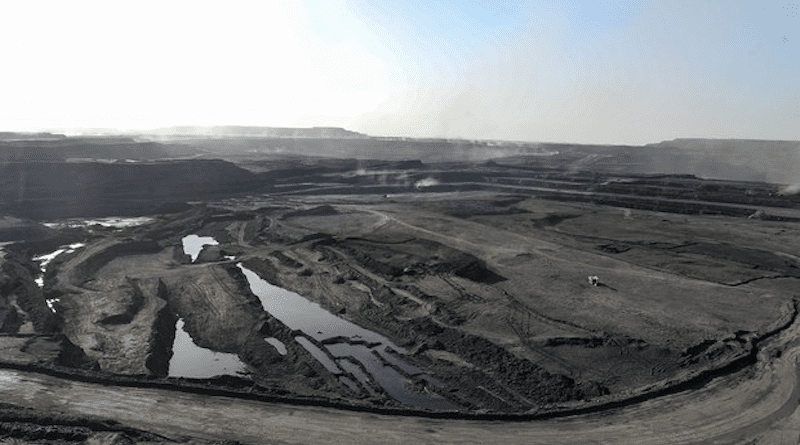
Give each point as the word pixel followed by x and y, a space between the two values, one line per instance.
pixel 359 352
pixel 298 313
pixel 191 361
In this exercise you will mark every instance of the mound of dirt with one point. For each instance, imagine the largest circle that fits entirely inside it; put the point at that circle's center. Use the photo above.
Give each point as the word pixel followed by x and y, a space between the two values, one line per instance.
pixel 324 210
pixel 417 256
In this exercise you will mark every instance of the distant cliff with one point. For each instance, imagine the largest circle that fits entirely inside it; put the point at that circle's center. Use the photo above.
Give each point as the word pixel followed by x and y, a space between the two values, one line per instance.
pixel 739 159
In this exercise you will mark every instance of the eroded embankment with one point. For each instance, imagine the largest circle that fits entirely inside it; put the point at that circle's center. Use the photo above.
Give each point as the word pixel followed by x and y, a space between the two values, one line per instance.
pixel 117 320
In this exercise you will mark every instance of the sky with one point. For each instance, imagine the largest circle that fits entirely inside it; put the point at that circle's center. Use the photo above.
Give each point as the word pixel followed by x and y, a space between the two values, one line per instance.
pixel 608 72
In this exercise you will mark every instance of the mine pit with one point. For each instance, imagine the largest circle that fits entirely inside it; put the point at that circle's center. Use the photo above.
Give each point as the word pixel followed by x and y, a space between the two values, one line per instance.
pixel 470 300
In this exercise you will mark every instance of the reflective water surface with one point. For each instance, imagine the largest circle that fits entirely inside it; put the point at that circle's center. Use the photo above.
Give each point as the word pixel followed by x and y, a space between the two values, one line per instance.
pixel 358 345
pixel 193 244
pixel 191 361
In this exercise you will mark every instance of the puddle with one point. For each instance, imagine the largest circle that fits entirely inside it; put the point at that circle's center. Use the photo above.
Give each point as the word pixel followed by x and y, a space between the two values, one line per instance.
pixel 389 378
pixel 350 384
pixel 278 345
pixel 353 369
pixel 396 361
pixel 191 361
pixel 346 341
pixel 193 244
pixel 318 354
pixel 298 313
pixel 112 221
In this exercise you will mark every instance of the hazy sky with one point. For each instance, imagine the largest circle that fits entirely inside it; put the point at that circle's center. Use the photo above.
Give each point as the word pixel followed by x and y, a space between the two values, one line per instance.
pixel 563 71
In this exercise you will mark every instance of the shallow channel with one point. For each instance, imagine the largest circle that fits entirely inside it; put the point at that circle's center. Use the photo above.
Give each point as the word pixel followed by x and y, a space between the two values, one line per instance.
pixel 357 344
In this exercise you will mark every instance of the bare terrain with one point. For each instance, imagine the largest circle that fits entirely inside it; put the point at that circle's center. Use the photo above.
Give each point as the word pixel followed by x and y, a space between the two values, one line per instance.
pixel 447 300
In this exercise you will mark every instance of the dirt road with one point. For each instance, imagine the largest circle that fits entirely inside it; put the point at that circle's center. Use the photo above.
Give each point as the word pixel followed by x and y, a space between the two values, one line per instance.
pixel 761 403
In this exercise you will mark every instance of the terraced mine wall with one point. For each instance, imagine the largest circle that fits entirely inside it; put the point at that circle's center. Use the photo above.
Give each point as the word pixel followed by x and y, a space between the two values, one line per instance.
pixel 52 190
pixel 91 265
pixel 55 148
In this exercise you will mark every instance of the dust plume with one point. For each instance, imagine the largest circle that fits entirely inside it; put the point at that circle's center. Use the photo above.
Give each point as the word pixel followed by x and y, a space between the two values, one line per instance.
pixel 792 189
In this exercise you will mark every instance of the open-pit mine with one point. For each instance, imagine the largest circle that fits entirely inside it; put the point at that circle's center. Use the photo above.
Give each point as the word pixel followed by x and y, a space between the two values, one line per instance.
pixel 337 288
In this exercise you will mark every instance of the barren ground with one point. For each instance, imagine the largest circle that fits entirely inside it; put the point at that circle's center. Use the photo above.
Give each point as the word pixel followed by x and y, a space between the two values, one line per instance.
pixel 482 290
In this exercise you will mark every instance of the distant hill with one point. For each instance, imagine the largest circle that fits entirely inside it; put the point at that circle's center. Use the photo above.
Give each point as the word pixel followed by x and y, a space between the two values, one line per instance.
pixel 735 159
pixel 23 136
pixel 740 159
pixel 267 132
pixel 50 149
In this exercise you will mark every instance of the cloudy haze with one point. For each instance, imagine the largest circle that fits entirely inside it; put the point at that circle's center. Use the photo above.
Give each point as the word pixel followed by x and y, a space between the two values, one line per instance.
pixel 562 71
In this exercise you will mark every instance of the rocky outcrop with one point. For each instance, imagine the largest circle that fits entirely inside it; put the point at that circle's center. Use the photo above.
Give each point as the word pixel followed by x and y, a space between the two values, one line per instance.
pixel 130 308
pixel 417 256
pixel 265 269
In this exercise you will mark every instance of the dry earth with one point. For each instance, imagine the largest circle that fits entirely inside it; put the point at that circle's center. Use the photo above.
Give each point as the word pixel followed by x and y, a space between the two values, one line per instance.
pixel 690 336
